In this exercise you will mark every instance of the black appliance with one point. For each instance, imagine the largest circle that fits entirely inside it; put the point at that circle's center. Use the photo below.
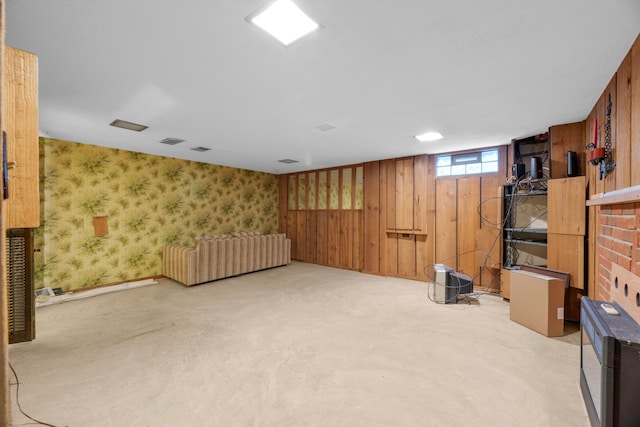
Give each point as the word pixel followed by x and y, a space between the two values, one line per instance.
pixel 609 364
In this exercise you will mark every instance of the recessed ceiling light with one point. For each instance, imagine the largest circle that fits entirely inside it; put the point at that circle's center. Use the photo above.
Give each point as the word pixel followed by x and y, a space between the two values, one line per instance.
pixel 288 161
pixel 128 125
pixel 201 149
pixel 284 21
pixel 171 141
pixel 429 136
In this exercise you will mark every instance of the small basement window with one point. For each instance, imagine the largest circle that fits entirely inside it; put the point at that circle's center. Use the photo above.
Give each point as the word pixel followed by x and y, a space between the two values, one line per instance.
pixel 467 163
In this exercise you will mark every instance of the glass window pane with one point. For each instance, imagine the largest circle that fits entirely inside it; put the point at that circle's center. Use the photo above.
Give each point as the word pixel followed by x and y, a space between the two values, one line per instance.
pixel 458 170
pixel 490 156
pixel 312 190
pixel 334 190
pixel 292 193
pixel 443 171
pixel 322 190
pixel 474 168
pixel 443 160
pixel 490 167
pixel 359 187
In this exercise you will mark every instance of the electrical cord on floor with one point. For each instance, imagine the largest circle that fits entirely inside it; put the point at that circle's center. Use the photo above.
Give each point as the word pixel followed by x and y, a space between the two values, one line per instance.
pixel 42 423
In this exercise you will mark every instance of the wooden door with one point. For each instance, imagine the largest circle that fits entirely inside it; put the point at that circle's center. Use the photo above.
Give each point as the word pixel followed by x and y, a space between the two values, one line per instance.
pixel 20 123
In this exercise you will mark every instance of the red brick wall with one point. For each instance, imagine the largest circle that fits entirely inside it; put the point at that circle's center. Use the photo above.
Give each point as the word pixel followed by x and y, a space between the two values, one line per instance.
pixel 617 243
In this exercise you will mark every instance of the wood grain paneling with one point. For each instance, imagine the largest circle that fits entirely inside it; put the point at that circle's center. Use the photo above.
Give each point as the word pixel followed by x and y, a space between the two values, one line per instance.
pixel 622 151
pixel 564 138
pixel 488 243
pixel 301 237
pixel 292 233
pixel 635 112
pixel 20 122
pixel 406 255
pixel 322 240
pixel 446 222
pixel 388 241
pixel 566 253
pixel 468 222
pixel 345 249
pixel 404 194
pixel 312 234
pixel 357 236
pixel 371 218
pixel 567 206
pixel 333 239
pixel 424 213
pixel 282 203
pixel 420 193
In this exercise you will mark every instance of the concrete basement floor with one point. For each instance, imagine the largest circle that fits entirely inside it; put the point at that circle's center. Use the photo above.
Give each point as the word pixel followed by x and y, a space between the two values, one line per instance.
pixel 301 345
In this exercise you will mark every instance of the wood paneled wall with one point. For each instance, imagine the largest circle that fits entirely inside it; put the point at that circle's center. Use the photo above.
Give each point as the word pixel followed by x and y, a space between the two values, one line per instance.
pixel 321 212
pixel 408 220
pixel 624 89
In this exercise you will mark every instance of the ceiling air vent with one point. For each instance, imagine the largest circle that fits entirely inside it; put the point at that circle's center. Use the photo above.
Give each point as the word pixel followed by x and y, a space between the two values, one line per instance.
pixel 201 149
pixel 288 161
pixel 171 141
pixel 128 125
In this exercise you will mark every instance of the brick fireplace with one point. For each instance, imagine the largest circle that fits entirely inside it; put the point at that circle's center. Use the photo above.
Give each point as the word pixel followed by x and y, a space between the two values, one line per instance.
pixel 618 256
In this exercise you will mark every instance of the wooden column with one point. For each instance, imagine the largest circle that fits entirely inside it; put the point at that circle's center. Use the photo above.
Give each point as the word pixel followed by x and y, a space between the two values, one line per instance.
pixel 5 407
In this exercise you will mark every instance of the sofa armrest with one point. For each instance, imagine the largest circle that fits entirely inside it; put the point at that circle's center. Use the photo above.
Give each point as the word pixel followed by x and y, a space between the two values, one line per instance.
pixel 180 263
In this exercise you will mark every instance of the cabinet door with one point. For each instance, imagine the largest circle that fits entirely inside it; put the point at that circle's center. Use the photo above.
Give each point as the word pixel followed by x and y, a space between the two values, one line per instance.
pixel 565 252
pixel 567 206
pixel 20 121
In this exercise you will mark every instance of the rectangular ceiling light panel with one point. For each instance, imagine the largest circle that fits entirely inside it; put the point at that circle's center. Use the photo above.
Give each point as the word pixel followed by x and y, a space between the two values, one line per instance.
pixel 284 21
pixel 429 136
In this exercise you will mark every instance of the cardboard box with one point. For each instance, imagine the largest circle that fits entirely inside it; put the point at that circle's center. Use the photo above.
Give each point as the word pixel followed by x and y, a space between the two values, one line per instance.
pixel 537 302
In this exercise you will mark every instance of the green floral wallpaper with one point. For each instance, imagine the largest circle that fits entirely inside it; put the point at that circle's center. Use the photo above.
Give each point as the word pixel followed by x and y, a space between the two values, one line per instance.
pixel 149 201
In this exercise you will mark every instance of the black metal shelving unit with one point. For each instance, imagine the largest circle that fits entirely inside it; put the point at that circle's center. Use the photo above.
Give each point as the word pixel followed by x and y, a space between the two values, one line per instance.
pixel 524 230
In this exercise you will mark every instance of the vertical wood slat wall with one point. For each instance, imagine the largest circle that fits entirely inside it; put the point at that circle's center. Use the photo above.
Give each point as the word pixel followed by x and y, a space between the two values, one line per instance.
pixel 325 227
pixel 397 231
pixel 624 88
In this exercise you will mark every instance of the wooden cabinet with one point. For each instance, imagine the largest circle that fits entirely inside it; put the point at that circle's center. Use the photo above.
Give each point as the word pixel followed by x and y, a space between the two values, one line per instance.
pixel 20 122
pixel 546 228
pixel 567 227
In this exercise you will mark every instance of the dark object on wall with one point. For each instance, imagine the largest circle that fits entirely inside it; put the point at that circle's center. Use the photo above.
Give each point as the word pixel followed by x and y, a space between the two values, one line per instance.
pixel 609 364
pixel 518 170
pixel 536 168
pixel 21 299
pixel 5 168
pixel 572 163
pixel 599 155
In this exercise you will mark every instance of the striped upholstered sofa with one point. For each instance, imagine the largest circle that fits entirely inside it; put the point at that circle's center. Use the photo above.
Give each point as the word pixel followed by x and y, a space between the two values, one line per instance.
pixel 217 257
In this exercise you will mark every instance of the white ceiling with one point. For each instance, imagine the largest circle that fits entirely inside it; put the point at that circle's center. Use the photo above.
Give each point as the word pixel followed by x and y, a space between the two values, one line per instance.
pixel 380 71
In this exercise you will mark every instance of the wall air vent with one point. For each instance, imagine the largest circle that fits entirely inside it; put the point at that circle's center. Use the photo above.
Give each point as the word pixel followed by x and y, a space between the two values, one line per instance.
pixel 288 161
pixel 201 149
pixel 171 141
pixel 128 125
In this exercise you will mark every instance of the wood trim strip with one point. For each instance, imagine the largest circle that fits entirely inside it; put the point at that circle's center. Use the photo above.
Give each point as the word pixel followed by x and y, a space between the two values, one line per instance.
pixel 624 195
